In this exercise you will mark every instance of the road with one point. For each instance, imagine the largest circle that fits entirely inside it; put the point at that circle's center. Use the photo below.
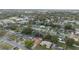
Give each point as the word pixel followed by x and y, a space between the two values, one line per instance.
pixel 13 43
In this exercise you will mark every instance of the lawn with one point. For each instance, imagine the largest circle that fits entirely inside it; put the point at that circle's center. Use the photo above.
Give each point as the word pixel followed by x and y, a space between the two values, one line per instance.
pixel 5 46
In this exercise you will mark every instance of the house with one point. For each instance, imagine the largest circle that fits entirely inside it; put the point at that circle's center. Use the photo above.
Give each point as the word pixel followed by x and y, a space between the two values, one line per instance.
pixel 74 36
pixel 7 21
pixel 13 18
pixel 46 43
pixel 42 27
pixel 77 22
pixel 26 18
pixel 1 23
pixel 22 22
pixel 16 18
pixel 77 31
pixel 37 40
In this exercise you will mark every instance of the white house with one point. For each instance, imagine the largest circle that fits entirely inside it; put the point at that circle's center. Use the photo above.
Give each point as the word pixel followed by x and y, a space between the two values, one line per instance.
pixel 77 31
pixel 47 43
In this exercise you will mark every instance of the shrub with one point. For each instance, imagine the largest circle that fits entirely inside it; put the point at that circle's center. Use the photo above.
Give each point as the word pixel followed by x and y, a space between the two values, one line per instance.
pixel 28 43
pixel 54 39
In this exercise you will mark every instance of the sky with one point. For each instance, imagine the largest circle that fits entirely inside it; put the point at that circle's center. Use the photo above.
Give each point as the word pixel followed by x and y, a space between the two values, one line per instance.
pixel 39 4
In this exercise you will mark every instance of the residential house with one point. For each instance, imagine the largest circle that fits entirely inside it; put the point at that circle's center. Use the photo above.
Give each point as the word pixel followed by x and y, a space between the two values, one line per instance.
pixel 46 43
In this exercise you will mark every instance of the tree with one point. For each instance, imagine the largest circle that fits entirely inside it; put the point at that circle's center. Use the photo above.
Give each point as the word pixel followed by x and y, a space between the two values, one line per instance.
pixel 27 31
pixel 12 26
pixel 28 43
pixel 47 37
pixel 54 39
pixel 69 42
pixel 68 27
pixel 55 25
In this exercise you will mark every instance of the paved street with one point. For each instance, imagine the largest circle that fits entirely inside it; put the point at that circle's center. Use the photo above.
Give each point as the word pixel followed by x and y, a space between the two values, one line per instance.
pixel 13 43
